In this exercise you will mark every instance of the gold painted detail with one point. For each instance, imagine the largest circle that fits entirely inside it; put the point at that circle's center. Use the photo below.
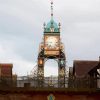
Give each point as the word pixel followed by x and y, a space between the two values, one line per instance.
pixel 62 72
pixel 40 61
pixel 51 53
pixel 40 72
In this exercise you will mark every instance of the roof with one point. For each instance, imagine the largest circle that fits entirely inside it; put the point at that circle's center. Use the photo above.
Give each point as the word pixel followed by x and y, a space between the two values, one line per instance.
pixel 6 65
pixel 81 68
pixel 51 25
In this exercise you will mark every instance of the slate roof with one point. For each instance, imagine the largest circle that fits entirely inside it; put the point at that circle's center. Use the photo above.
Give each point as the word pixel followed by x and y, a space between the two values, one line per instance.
pixel 82 68
pixel 6 65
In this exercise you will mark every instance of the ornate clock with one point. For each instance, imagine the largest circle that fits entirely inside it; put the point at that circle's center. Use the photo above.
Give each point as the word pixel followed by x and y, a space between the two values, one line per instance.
pixel 51 44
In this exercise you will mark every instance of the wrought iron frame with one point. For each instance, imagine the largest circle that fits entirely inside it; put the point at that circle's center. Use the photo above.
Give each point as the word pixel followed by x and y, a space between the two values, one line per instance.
pixel 61 67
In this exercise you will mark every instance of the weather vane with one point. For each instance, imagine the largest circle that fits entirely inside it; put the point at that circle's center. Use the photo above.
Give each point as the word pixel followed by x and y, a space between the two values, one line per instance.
pixel 51 9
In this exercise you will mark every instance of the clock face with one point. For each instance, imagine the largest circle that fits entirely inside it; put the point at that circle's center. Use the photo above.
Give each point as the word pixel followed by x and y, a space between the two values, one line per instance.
pixel 51 42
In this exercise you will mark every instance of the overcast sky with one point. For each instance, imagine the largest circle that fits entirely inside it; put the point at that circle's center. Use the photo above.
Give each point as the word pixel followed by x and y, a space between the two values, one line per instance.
pixel 21 31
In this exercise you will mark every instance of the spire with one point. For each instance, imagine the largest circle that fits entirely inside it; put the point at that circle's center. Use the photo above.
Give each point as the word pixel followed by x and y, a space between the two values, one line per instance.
pixel 51 9
pixel 51 26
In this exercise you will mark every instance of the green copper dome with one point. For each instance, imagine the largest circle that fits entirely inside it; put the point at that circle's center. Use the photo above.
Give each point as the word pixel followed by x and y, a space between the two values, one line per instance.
pixel 51 27
pixel 52 24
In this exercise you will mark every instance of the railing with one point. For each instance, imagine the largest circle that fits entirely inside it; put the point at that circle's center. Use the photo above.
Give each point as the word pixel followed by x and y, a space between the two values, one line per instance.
pixel 49 82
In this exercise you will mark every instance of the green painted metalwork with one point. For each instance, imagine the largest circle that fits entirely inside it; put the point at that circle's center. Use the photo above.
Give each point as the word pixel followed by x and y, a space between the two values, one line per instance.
pixel 51 27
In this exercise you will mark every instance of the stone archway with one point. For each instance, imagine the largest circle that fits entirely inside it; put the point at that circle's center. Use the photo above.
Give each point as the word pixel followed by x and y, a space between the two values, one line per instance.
pixel 61 68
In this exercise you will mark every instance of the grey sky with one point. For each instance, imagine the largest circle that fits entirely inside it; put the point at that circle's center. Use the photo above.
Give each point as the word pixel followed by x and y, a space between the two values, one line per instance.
pixel 21 30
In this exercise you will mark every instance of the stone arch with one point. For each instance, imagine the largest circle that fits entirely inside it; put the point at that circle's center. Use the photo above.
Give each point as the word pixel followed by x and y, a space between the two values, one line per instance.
pixel 61 60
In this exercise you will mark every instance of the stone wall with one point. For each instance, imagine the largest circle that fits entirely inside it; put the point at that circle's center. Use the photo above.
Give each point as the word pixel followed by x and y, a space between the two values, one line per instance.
pixel 44 95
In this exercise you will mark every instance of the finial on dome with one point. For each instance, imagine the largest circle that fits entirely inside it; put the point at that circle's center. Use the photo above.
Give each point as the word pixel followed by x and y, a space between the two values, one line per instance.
pixel 44 25
pixel 59 26
pixel 51 9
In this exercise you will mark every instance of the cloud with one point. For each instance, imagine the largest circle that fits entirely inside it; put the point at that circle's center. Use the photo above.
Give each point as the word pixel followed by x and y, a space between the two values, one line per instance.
pixel 7 55
pixel 82 41
pixel 21 31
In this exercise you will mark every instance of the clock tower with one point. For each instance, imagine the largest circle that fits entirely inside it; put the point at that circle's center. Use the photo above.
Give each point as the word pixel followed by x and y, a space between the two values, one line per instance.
pixel 51 48
pixel 51 39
